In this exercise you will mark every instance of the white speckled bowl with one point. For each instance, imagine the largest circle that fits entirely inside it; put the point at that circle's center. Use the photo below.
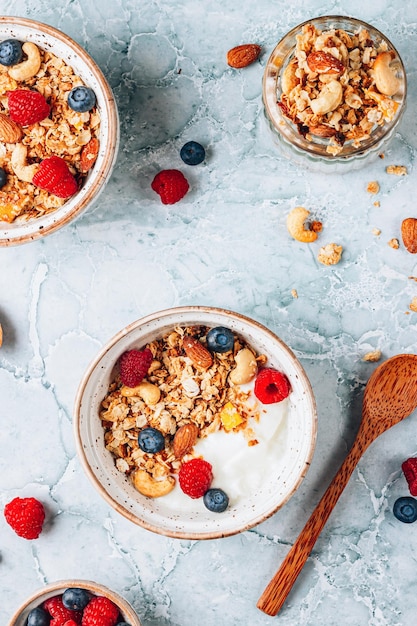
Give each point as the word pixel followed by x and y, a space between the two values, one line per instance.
pixel 115 487
pixel 50 38
pixel 58 588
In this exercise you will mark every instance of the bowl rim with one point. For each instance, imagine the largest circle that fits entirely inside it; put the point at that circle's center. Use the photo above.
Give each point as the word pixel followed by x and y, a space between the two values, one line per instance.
pixel 60 585
pixel 124 511
pixel 56 220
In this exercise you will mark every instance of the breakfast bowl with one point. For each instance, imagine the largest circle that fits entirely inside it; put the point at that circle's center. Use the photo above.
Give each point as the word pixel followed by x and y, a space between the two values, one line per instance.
pixel 59 130
pixel 195 422
pixel 34 606
pixel 334 93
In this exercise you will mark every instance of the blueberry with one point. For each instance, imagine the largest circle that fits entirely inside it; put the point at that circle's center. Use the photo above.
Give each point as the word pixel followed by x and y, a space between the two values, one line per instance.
pixel 81 99
pixel 151 440
pixel 3 177
pixel 38 617
pixel 10 52
pixel 192 153
pixel 216 500
pixel 220 339
pixel 75 599
pixel 405 509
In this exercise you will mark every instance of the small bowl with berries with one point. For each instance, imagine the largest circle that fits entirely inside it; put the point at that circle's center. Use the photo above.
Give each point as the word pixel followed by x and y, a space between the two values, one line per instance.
pixel 195 422
pixel 59 130
pixel 75 602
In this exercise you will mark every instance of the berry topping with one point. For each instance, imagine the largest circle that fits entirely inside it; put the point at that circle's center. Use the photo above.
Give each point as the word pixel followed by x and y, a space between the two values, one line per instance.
pixel 405 509
pixel 220 339
pixel 409 468
pixel 216 500
pixel 3 177
pixel 151 440
pixel 81 99
pixel 70 622
pixel 54 176
pixel 27 107
pixel 75 599
pixel 134 365
pixel 25 516
pixel 100 611
pixel 11 52
pixel 195 477
pixel 192 153
pixel 38 617
pixel 170 185
pixel 271 386
pixel 59 613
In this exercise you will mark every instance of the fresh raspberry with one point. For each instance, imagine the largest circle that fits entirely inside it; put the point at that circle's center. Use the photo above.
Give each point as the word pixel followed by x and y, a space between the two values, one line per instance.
pixel 54 176
pixel 70 622
pixel 134 365
pixel 171 185
pixel 60 614
pixel 25 516
pixel 409 468
pixel 271 386
pixel 27 107
pixel 195 477
pixel 100 611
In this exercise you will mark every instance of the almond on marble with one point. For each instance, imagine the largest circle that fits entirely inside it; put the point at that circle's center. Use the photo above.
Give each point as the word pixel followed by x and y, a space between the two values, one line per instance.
pixel 409 234
pixel 198 353
pixel 243 55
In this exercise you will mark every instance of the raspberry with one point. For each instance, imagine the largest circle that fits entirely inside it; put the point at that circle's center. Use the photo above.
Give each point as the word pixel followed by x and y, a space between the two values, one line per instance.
pixel 27 107
pixel 54 176
pixel 25 516
pixel 100 611
pixel 409 468
pixel 70 622
pixel 195 477
pixel 134 365
pixel 171 185
pixel 271 386
pixel 59 613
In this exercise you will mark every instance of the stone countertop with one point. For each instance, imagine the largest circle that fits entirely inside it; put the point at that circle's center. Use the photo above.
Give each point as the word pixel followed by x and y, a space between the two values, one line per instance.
pixel 225 244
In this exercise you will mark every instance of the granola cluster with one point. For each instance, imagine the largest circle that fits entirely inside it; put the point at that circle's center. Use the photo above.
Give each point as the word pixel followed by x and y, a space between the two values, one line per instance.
pixel 64 134
pixel 338 86
pixel 189 394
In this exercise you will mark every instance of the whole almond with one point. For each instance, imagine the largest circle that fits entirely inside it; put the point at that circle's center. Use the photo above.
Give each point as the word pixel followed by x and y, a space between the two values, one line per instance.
pixel 324 63
pixel 184 439
pixel 198 353
pixel 10 131
pixel 244 55
pixel 409 234
pixel 321 130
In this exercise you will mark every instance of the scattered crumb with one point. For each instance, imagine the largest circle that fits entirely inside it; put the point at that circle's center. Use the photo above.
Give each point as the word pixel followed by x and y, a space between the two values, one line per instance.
pixel 316 227
pixel 373 356
pixel 330 254
pixel 373 187
pixel 377 203
pixel 382 155
pixel 1 336
pixel 413 304
pixel 394 243
pixel 376 232
pixel 398 170
pixel 413 278
pixel 294 293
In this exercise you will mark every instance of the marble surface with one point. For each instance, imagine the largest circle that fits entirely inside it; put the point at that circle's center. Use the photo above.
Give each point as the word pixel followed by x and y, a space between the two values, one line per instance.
pixel 226 245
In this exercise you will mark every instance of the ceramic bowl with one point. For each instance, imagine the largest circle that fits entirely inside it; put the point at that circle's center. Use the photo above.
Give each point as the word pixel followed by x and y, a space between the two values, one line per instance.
pixel 58 588
pixel 309 148
pixel 293 455
pixel 48 38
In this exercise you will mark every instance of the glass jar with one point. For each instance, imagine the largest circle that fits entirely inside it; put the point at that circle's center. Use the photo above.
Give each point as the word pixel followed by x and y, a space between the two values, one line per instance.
pixel 334 153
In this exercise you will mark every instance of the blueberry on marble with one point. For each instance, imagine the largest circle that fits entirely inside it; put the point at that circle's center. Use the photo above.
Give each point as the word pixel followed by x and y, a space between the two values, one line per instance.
pixel 220 339
pixel 405 509
pixel 10 52
pixel 216 500
pixel 3 177
pixel 75 598
pixel 81 99
pixel 38 617
pixel 192 153
pixel 151 440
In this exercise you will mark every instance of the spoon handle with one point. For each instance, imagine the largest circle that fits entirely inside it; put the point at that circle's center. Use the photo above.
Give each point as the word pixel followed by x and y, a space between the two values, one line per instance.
pixel 276 592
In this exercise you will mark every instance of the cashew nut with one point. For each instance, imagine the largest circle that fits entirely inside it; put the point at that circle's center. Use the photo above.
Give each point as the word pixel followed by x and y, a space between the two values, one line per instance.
pixel 329 98
pixel 18 163
pixel 148 486
pixel 385 79
pixel 245 369
pixel 295 225
pixel 28 68
pixel 149 393
pixel 289 78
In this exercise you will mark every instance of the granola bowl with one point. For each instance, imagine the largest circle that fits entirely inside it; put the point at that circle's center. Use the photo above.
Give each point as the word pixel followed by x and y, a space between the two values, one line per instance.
pixel 93 589
pixel 334 92
pixel 195 450
pixel 59 131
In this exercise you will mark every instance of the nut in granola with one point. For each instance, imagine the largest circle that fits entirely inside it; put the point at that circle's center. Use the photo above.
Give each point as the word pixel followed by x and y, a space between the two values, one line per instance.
pixel 198 353
pixel 184 439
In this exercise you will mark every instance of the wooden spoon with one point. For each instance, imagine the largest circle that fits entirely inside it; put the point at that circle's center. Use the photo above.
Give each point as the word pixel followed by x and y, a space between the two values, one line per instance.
pixel 390 396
